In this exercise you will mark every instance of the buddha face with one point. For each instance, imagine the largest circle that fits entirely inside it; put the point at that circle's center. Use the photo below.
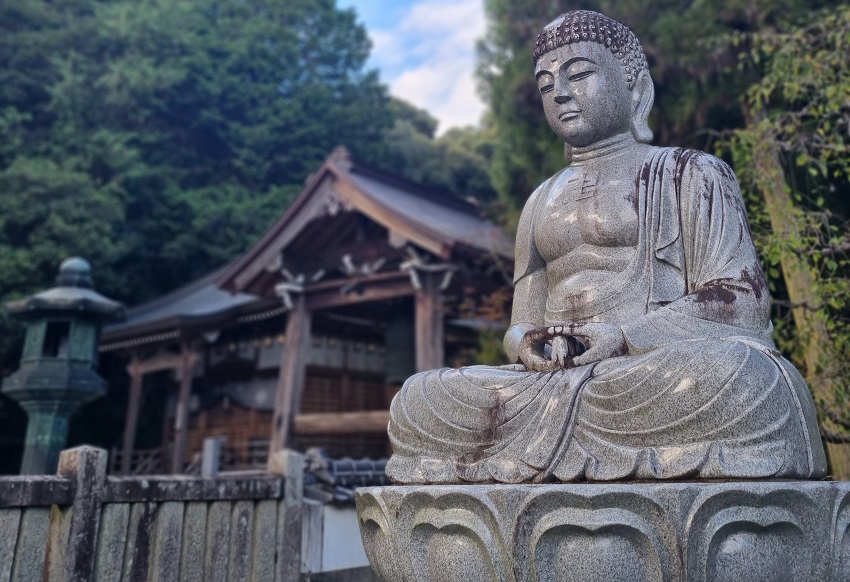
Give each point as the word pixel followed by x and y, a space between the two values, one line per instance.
pixel 585 95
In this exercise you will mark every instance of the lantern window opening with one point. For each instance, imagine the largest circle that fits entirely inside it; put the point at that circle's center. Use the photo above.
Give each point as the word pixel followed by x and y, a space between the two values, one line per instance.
pixel 56 339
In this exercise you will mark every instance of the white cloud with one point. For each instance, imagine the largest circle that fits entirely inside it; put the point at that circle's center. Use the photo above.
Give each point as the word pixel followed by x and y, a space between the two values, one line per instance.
pixel 428 58
pixel 387 51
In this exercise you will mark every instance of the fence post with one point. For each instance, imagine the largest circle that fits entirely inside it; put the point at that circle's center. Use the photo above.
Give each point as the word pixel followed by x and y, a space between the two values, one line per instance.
pixel 72 545
pixel 211 456
pixel 290 465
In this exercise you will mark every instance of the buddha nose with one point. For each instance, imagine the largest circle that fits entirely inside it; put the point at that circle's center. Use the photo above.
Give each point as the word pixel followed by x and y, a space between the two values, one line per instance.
pixel 563 94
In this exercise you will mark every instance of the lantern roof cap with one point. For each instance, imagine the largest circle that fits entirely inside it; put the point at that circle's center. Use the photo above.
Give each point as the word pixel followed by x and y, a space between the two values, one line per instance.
pixel 74 272
pixel 72 295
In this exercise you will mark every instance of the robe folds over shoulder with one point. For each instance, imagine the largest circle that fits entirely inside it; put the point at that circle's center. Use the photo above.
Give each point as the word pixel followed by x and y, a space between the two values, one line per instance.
pixel 702 391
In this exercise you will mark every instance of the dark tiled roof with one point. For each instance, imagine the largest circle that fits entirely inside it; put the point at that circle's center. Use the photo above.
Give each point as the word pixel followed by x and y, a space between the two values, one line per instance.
pixel 434 220
pixel 451 220
pixel 198 304
pixel 334 480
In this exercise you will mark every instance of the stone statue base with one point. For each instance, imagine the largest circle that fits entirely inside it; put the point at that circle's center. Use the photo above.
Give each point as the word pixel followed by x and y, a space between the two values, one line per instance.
pixel 731 531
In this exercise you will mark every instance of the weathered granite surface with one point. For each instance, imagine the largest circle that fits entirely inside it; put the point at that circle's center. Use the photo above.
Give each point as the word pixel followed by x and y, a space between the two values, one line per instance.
pixel 736 531
pixel 641 343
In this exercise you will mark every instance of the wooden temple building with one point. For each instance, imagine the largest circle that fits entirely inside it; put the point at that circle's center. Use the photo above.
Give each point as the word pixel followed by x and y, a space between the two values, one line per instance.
pixel 304 339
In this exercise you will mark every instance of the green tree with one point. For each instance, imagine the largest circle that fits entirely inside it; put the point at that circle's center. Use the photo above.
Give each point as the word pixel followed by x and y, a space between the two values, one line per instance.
pixel 160 137
pixel 456 161
pixel 526 152
pixel 793 158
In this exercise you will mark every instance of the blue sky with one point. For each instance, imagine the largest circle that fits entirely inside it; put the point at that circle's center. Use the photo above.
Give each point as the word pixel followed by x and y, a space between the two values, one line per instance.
pixel 425 52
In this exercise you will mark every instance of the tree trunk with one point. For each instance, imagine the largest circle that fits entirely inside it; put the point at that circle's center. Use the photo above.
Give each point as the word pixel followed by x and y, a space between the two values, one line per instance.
pixel 800 283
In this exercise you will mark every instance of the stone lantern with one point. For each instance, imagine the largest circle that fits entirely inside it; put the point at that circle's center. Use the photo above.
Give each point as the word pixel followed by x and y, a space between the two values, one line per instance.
pixel 58 366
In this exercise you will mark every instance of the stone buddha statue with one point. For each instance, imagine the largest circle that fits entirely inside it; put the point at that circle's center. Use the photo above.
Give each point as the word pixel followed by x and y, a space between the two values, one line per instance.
pixel 641 343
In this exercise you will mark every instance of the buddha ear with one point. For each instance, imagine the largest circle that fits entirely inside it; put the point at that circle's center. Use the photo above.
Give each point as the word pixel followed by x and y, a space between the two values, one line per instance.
pixel 643 95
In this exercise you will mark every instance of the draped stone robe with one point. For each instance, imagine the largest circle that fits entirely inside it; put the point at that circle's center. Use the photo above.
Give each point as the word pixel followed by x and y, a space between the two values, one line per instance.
pixel 702 391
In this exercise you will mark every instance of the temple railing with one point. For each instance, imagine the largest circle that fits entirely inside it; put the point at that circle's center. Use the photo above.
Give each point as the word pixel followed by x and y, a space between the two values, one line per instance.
pixel 249 455
pixel 142 461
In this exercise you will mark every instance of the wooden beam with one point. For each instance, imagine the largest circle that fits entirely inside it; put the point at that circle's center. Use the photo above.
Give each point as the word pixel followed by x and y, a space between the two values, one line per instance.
pixel 293 366
pixel 373 279
pixel 131 419
pixel 367 290
pixel 429 322
pixel 181 417
pixel 160 362
pixel 367 251
pixel 341 422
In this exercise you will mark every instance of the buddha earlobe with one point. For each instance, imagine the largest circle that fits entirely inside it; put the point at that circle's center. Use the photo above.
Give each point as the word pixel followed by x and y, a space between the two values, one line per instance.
pixel 643 96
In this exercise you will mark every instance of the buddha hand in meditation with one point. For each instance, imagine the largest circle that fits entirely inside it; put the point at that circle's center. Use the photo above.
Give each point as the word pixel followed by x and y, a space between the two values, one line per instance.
pixel 640 341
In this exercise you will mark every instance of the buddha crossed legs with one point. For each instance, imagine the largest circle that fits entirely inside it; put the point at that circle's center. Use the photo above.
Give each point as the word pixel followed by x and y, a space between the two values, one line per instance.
pixel 641 340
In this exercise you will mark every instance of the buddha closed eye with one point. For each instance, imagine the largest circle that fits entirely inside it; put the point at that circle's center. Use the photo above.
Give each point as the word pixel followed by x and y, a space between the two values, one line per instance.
pixel 584 77
pixel 616 307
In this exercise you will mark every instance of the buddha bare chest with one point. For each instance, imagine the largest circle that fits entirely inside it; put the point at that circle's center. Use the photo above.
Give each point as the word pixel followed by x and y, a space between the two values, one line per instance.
pixel 590 217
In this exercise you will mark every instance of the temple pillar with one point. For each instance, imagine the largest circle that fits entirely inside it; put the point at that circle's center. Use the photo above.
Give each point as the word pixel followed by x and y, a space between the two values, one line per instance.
pixel 188 360
pixel 132 417
pixel 430 333
pixel 293 372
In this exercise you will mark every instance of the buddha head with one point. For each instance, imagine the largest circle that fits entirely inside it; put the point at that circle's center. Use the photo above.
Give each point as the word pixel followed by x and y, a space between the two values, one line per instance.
pixel 593 78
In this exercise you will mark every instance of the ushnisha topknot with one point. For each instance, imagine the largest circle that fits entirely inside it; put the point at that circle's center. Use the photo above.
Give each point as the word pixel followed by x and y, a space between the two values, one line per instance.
pixel 585 25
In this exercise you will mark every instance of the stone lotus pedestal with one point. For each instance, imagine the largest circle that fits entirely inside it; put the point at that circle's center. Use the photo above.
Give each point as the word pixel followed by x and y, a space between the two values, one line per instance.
pixel 730 531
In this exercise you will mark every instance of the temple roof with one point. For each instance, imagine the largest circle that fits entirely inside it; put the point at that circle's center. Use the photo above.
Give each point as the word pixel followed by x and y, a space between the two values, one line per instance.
pixel 197 305
pixel 434 221
pixel 341 203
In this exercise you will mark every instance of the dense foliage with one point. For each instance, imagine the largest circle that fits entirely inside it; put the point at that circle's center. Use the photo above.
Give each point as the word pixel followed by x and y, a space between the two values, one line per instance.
pixel 158 137
pixel 456 161
pixel 793 158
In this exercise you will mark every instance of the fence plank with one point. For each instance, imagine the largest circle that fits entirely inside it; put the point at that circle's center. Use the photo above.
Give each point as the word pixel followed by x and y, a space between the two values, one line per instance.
pixel 112 542
pixel 74 533
pixel 263 546
pixel 58 543
pixel 241 524
pixel 10 521
pixel 165 565
pixel 30 553
pixel 289 522
pixel 312 536
pixel 194 538
pixel 137 555
pixel 218 537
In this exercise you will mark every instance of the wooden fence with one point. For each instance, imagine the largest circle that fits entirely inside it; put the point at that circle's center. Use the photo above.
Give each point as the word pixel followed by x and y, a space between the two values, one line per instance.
pixel 82 525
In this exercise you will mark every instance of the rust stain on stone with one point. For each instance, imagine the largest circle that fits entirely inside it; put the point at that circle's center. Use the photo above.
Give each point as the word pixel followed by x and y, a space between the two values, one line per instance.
pixel 715 293
pixel 495 418
pixel 755 281
pixel 644 174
